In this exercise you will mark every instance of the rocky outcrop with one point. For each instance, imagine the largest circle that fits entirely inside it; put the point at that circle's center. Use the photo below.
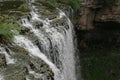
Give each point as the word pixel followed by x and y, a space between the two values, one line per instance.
pixel 25 66
pixel 109 13
pixel 98 25
pixel 98 32
pixel 92 11
pixel 87 15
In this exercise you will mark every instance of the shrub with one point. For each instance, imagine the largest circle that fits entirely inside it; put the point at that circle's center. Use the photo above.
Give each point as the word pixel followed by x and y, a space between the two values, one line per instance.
pixel 75 4
pixel 23 7
pixel 7 31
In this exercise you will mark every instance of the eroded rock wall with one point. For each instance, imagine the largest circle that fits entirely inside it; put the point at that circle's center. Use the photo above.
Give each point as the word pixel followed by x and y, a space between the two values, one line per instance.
pixel 98 25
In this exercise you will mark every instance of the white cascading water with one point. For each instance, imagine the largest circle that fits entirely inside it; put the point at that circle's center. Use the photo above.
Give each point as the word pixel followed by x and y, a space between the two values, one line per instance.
pixel 9 60
pixel 1 77
pixel 34 51
pixel 56 47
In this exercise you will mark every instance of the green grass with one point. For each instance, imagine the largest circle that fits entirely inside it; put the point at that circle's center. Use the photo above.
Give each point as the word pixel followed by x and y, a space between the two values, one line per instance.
pixel 101 64
pixel 23 7
pixel 9 12
pixel 7 31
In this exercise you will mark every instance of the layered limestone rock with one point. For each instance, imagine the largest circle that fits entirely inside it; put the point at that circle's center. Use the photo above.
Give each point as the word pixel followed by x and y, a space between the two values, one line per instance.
pixel 98 25
pixel 109 13
pixel 85 22
pixel 92 11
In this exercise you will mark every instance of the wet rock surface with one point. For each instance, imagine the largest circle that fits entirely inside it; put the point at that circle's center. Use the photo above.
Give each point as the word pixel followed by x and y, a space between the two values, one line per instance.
pixel 2 62
pixel 98 25
pixel 25 66
pixel 92 12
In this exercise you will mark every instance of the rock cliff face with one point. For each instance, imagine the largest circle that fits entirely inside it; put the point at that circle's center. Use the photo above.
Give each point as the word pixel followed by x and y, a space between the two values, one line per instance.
pixel 107 14
pixel 98 33
pixel 98 25
pixel 92 12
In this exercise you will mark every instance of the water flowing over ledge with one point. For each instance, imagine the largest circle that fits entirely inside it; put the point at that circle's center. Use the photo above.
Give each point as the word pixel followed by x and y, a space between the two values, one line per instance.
pixel 8 57
pixel 50 40
pixel 57 48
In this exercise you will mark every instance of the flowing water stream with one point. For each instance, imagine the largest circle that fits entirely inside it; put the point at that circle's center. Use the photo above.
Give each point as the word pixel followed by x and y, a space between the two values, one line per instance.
pixel 55 42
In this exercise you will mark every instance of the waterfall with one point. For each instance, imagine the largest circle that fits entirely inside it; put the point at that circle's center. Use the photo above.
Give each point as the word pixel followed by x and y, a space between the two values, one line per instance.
pixel 1 77
pixel 55 42
pixel 34 50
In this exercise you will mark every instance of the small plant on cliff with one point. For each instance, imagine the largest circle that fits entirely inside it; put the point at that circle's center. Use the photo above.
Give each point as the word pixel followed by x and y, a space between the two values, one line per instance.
pixel 23 7
pixel 75 4
pixel 7 31
pixel 53 2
